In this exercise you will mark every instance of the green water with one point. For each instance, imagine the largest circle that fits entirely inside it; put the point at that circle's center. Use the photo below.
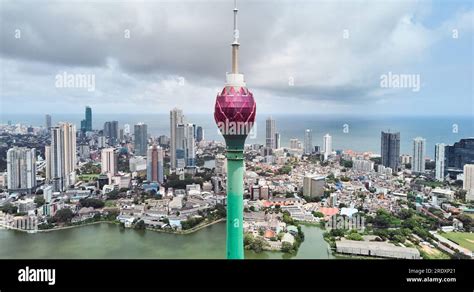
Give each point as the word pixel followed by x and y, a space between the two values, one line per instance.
pixel 109 241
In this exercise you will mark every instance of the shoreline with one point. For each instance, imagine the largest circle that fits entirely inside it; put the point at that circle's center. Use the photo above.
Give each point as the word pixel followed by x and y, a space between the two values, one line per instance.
pixel 170 231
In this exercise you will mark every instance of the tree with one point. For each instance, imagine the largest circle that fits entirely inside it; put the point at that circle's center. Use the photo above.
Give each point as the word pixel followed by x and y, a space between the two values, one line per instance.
pixel 347 163
pixel 355 236
pixel 337 232
pixel 9 208
pixel 140 225
pixel 467 222
pixel 318 214
pixel 285 169
pixel 287 247
pixel 39 201
pixel 63 215
pixel 461 195
pixel 248 239
pixel 191 222
pixel 405 214
pixel 91 202
pixel 258 245
pixel 384 220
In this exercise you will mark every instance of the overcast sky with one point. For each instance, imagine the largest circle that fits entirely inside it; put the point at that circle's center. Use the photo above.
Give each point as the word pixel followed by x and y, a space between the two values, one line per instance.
pixel 178 52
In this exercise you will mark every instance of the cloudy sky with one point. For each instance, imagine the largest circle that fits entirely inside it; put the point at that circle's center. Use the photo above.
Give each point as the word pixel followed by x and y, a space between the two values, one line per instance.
pixel 297 56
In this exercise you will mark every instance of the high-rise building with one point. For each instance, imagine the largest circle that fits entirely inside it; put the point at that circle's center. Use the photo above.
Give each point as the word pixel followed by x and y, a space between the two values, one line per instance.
pixel 121 135
pixel 154 170
pixel 21 169
pixel 199 134
pixel 277 141
pixel 47 158
pixel 109 157
pixel 47 122
pixel 190 146
pixel 163 141
pixel 88 118
pixel 362 165
pixel 295 143
pixel 406 159
pixel 221 164
pixel 419 151
pixel 63 156
pixel 47 193
pixel 111 132
pixel 327 146
pixel 390 148
pixel 313 186
pixel 180 140
pixel 185 146
pixel 270 133
pixel 84 151
pixel 141 139
pixel 459 154
pixel 308 141
pixel 468 183
pixel 440 161
pixel 176 118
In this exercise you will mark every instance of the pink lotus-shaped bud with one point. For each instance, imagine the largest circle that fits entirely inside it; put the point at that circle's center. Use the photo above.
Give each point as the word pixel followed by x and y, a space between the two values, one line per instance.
pixel 234 111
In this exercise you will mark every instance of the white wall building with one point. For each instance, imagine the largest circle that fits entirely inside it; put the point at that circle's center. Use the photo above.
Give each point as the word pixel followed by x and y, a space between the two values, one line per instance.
pixel 327 146
pixel 21 169
pixel 419 152
pixel 440 161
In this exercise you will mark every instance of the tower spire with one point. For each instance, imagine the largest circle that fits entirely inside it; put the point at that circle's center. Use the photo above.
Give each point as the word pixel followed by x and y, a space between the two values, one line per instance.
pixel 235 44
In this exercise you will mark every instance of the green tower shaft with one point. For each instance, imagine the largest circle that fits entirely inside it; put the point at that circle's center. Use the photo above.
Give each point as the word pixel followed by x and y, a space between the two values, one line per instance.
pixel 235 196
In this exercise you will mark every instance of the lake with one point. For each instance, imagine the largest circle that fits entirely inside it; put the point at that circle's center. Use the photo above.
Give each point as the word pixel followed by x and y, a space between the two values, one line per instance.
pixel 109 241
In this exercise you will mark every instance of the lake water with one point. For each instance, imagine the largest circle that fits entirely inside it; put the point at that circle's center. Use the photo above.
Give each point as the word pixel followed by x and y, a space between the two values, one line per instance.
pixel 109 241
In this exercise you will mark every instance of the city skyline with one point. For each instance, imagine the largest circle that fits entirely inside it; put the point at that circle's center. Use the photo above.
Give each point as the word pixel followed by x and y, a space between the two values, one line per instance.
pixel 418 37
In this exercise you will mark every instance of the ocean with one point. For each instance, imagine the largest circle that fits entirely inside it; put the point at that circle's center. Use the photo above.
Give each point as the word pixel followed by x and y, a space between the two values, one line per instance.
pixel 358 133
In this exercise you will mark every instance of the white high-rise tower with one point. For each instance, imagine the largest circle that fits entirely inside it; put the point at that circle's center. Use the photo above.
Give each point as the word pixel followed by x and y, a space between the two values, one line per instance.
pixel 308 141
pixel 21 169
pixel 440 161
pixel 270 133
pixel 176 118
pixel 419 150
pixel 327 146
pixel 62 156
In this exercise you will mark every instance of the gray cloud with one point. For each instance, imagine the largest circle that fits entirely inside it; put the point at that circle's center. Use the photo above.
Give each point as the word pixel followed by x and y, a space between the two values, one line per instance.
pixel 302 40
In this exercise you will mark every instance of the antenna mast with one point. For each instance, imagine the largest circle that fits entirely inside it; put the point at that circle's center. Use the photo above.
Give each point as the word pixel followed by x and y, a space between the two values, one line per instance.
pixel 235 44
